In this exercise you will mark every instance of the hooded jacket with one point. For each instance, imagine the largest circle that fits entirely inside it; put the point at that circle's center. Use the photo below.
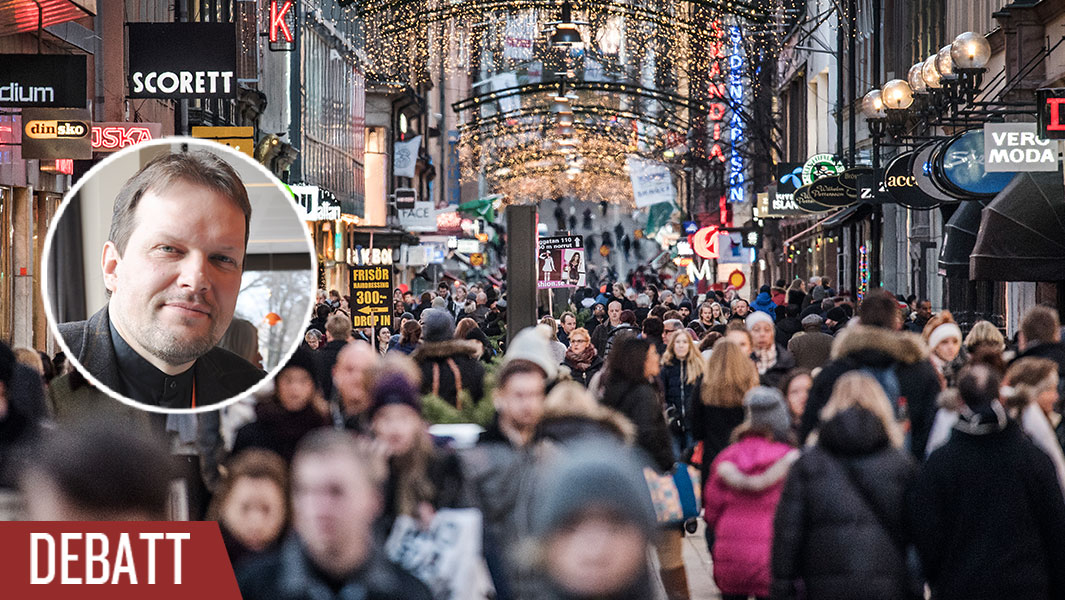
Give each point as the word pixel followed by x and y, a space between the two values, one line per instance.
pixel 827 537
pixel 438 362
pixel 988 518
pixel 765 304
pixel 740 500
pixel 865 347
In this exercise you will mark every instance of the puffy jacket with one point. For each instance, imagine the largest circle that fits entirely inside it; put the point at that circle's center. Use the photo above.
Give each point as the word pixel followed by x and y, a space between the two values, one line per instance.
pixel 765 304
pixel 827 539
pixel 864 346
pixel 740 499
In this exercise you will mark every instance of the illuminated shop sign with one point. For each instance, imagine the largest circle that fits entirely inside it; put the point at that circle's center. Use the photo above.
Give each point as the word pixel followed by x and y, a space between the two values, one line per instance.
pixel 182 60
pixel 111 137
pixel 736 176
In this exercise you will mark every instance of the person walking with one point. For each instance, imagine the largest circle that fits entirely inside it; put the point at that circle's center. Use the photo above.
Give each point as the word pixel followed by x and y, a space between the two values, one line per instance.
pixel 729 375
pixel 682 374
pixel 839 528
pixel 581 357
pixel 741 496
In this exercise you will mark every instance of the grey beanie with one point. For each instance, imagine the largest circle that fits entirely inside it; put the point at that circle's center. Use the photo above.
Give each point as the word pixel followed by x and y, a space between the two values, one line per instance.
pixel 766 410
pixel 596 474
pixel 817 294
pixel 437 325
pixel 812 321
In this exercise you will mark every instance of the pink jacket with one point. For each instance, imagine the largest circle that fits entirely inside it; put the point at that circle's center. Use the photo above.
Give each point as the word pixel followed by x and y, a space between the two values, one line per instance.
pixel 740 500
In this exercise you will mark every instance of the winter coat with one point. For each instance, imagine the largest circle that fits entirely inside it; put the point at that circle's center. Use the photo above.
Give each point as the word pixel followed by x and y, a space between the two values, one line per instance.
pixel 288 574
pixel 827 539
pixel 325 359
pixel 600 335
pixel 740 500
pixel 988 519
pixel 568 424
pixel 765 304
pixel 442 472
pixel 680 395
pixel 277 429
pixel 438 362
pixel 797 297
pixel 778 297
pixel 811 349
pixel 713 425
pixel 584 377
pixel 864 347
pixel 642 405
pixel 787 328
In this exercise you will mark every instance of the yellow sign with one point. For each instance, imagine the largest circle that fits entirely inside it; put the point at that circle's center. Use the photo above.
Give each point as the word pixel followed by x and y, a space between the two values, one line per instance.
pixel 51 130
pixel 477 259
pixel 371 296
pixel 241 139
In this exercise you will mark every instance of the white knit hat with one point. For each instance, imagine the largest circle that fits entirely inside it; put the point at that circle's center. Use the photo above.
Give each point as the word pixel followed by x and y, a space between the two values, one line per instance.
pixel 944 331
pixel 757 317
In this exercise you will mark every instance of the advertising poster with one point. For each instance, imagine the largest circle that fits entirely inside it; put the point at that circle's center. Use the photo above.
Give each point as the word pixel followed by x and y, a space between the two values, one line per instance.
pixel 561 262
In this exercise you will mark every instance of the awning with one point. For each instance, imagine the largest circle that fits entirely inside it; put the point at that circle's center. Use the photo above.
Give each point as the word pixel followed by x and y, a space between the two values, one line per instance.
pixel 959 238
pixel 803 233
pixel 383 237
pixel 18 16
pixel 1022 231
pixel 846 216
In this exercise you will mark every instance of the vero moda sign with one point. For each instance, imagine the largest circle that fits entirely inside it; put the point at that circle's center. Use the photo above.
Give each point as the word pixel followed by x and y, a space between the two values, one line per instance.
pixel 178 61
pixel 1015 147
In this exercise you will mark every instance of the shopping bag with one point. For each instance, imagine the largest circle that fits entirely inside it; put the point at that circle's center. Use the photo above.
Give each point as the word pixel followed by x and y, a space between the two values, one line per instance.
pixel 446 556
pixel 676 495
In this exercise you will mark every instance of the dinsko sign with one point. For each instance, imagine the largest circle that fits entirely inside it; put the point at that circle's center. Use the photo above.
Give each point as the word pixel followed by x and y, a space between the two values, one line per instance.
pixel 58 133
pixel 182 60
pixel 42 80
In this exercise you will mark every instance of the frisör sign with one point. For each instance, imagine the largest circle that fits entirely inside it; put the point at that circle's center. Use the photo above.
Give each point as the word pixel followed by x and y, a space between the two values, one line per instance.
pixel 182 60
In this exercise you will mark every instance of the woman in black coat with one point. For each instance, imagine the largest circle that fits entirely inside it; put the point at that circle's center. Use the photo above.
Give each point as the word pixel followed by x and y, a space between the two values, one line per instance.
pixel 581 358
pixel 839 530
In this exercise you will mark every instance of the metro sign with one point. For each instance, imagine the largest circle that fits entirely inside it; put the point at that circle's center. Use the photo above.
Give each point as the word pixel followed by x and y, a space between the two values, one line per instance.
pixel 111 137
pixel 282 20
pixel 1051 117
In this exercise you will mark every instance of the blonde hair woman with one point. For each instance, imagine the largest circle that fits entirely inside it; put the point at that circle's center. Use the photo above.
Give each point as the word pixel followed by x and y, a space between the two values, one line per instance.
pixel 728 376
pixel 984 333
pixel 682 372
pixel 846 494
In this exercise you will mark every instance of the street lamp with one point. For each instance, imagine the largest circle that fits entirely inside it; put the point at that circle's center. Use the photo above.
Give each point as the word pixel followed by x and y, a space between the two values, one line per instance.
pixel 896 95
pixel 566 34
pixel 916 79
pixel 945 64
pixel 930 72
pixel 970 51
pixel 873 105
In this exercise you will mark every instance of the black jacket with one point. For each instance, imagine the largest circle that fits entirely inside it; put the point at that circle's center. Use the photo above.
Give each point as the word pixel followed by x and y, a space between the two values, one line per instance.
pixel 827 539
pixel 861 347
pixel 623 331
pixel 287 574
pixel 585 376
pixel 642 405
pixel 325 359
pixel 680 395
pixel 713 425
pixel 786 328
pixel 220 374
pixel 988 519
pixel 277 429
pixel 774 374
pixel 439 361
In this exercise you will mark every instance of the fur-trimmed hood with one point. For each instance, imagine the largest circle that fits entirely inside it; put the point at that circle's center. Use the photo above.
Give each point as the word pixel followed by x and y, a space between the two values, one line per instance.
pixel 755 478
pixel 902 346
pixel 445 349
pixel 558 422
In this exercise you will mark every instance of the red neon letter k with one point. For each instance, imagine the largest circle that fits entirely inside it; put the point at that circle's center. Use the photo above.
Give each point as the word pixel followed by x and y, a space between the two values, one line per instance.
pixel 277 20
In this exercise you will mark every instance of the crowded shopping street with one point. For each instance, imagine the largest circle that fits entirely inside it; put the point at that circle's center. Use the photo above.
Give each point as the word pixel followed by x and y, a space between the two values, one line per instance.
pixel 539 300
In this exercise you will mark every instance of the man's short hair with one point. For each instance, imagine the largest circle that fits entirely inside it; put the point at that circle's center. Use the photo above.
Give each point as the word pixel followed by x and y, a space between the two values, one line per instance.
pixel 518 366
pixel 562 317
pixel 978 385
pixel 338 326
pixel 1040 324
pixel 879 309
pixel 327 440
pixel 737 301
pixel 334 294
pixel 198 167
pixel 828 304
pixel 674 324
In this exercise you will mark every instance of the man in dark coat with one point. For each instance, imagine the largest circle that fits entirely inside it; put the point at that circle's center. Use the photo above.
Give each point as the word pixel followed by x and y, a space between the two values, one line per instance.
pixel 331 552
pixel 921 316
pixel 989 473
pixel 601 333
pixel 812 347
pixel 1040 336
pixel 448 366
pixel 337 334
pixel 789 325
pixel 897 358
pixel 172 266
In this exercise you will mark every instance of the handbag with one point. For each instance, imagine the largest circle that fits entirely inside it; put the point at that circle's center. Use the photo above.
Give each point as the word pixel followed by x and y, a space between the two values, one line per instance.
pixel 676 495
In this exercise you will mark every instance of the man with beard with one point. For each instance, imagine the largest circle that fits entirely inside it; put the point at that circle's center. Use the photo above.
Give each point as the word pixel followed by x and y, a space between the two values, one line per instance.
pixel 172 265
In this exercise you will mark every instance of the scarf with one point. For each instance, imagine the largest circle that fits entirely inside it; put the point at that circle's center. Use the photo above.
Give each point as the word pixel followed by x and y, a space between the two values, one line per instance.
pixel 583 360
pixel 988 419
pixel 765 359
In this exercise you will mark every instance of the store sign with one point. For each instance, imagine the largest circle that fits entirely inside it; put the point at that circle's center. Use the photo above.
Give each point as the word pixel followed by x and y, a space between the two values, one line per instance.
pixel 49 133
pixel 241 139
pixel 871 191
pixel 111 137
pixel 820 165
pixel 920 168
pixel 704 242
pixel 316 204
pixel 849 178
pixel 805 201
pixel 467 246
pixel 371 295
pixel 1014 147
pixel 961 164
pixel 652 182
pixel 419 217
pixel 828 191
pixel 182 60
pixel 42 80
pixel 781 198
pixel 281 18
pixel 561 262
pixel 1051 115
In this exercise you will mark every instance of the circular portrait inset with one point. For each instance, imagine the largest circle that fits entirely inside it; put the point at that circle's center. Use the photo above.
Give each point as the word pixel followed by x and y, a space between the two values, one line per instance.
pixel 178 275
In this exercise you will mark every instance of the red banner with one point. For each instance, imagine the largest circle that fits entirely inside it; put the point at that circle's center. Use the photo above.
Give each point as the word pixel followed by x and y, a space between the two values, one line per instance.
pixel 115 560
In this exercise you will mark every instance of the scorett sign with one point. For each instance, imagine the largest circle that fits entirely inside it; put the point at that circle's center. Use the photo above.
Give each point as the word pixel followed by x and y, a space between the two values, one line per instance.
pixel 182 60
pixel 42 80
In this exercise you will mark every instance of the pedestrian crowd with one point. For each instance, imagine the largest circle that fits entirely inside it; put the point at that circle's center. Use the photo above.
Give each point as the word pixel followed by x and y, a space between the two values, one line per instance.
pixel 834 448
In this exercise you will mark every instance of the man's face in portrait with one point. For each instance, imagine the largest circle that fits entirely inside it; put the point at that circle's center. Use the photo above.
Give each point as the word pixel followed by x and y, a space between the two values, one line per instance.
pixel 175 287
